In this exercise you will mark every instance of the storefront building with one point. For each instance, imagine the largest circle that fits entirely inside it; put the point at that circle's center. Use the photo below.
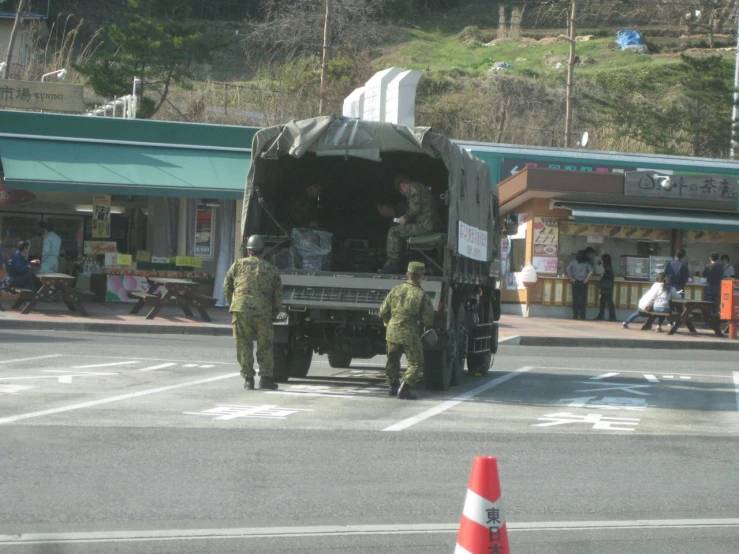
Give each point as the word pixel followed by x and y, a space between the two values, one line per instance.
pixel 129 198
pixel 640 218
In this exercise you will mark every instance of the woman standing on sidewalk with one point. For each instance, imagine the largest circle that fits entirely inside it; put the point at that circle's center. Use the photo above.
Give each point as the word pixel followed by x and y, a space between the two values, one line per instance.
pixel 606 290
pixel 579 272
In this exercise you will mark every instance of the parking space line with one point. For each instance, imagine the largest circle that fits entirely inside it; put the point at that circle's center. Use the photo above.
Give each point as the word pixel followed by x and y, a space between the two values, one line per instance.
pixel 604 376
pixel 591 370
pixel 92 403
pixel 160 366
pixel 31 359
pixel 111 364
pixel 651 378
pixel 436 410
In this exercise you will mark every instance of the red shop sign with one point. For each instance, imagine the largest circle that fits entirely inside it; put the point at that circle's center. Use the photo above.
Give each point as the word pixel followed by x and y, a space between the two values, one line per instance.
pixel 15 197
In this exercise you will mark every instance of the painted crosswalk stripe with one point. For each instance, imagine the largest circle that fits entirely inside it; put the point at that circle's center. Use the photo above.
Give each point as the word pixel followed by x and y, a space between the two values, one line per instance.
pixel 651 378
pixel 105 365
pixel 155 367
pixel 604 376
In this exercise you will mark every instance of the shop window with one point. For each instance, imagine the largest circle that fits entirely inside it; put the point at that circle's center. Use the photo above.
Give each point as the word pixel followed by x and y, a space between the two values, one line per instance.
pixel 205 231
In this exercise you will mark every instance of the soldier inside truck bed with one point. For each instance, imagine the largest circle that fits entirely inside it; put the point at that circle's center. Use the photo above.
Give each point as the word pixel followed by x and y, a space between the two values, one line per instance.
pixel 421 218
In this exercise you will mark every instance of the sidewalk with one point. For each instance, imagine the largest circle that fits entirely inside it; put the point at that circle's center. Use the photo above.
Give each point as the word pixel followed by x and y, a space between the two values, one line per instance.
pixel 514 330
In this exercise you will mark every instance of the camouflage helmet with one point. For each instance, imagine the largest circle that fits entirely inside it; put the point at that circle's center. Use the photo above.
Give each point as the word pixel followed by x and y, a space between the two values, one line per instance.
pixel 416 267
pixel 255 243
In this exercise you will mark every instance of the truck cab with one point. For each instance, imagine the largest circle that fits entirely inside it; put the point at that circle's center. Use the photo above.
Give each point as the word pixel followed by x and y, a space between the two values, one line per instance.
pixel 332 290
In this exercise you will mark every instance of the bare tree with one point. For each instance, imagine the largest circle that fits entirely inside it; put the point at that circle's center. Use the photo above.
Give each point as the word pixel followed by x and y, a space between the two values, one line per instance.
pixel 325 54
pixel 14 35
pixel 295 28
pixel 570 71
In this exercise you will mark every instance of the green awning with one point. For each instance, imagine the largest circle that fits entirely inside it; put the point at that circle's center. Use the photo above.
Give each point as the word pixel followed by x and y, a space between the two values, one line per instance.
pixel 119 168
pixel 655 218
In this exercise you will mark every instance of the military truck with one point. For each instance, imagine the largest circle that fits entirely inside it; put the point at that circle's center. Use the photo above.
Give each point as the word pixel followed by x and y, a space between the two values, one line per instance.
pixel 333 308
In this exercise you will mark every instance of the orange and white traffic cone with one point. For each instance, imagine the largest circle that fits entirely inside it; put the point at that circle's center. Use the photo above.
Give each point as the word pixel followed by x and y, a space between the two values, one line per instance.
pixel 482 529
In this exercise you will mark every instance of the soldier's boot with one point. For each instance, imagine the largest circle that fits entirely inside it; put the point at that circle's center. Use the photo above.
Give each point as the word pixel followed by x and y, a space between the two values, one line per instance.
pixel 266 383
pixel 249 383
pixel 394 389
pixel 404 392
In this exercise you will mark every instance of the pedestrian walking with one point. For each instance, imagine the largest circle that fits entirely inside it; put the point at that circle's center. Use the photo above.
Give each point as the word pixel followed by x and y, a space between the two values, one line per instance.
pixel 253 289
pixel 714 273
pixel 677 271
pixel 579 272
pixel 606 285
pixel 406 310
pixel 656 299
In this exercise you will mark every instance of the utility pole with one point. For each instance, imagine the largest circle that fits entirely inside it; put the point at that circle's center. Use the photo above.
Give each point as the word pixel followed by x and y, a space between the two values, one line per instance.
pixel 570 73
pixel 326 54
pixel 735 108
pixel 13 35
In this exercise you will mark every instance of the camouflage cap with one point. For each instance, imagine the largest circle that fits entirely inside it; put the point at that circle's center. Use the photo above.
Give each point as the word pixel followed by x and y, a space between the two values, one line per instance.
pixel 401 178
pixel 416 267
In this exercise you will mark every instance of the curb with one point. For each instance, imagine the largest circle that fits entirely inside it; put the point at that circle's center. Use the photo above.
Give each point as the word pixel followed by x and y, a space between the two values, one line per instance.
pixel 729 345
pixel 135 328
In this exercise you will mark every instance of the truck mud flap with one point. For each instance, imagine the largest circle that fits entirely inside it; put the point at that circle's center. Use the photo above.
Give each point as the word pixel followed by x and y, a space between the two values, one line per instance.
pixel 494 339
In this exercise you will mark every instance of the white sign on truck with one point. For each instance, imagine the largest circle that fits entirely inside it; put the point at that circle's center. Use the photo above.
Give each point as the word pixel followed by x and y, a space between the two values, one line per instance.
pixel 473 242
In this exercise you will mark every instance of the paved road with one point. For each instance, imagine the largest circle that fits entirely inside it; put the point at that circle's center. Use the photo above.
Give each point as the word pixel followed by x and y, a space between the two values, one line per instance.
pixel 138 444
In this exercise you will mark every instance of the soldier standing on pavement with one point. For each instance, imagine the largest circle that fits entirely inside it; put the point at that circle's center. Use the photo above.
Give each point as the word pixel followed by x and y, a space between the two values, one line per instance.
pixel 407 309
pixel 421 218
pixel 253 289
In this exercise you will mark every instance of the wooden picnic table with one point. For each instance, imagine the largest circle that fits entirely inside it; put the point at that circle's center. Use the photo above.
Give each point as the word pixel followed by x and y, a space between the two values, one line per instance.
pixel 177 292
pixel 687 311
pixel 54 287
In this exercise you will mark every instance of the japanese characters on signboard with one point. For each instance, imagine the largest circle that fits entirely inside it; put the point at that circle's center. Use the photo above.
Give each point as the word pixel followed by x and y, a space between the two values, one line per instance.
pixel 546 244
pixel 101 216
pixel 473 242
pixel 712 188
pixel 35 95
pixel 511 166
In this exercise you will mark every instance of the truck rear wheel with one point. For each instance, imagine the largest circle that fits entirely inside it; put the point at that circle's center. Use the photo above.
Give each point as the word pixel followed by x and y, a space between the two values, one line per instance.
pixel 290 363
pixel 479 364
pixel 437 368
pixel 339 360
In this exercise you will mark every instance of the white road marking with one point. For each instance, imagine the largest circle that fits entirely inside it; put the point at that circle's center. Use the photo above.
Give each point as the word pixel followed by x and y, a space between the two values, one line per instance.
pixel 736 387
pixel 668 377
pixel 625 387
pixel 19 417
pixel 588 370
pixel 604 376
pixel 436 410
pixel 207 366
pixel 227 412
pixel 111 364
pixel 346 530
pixel 684 377
pixel 149 359
pixel 31 359
pixel 160 366
pixel 190 365
pixel 651 378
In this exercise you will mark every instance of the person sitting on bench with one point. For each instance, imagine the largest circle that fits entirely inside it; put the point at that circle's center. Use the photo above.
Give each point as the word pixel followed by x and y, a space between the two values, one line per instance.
pixel 421 218
pixel 656 299
pixel 19 270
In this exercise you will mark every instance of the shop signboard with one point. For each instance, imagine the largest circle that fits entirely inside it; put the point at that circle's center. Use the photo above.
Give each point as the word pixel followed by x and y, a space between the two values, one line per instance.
pixel 615 231
pixel 143 256
pixel 188 261
pixel 511 166
pixel 99 247
pixel 545 265
pixel 15 197
pixel 473 242
pixel 101 216
pixel 719 237
pixel 710 188
pixel 546 237
pixel 35 95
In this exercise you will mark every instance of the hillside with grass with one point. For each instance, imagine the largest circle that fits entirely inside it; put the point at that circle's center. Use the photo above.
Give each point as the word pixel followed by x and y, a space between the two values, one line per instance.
pixel 476 85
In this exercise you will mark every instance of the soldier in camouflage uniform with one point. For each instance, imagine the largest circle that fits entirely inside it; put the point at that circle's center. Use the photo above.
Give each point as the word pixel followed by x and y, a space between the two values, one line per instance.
pixel 407 309
pixel 253 289
pixel 421 218
pixel 302 211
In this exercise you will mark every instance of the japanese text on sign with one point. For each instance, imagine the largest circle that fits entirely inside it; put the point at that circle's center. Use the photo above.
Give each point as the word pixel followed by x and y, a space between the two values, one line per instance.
pixel 473 242
pixel 716 188
pixel 35 95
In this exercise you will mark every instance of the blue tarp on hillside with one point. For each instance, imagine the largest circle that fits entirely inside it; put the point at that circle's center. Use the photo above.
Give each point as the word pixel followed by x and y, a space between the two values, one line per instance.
pixel 628 39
